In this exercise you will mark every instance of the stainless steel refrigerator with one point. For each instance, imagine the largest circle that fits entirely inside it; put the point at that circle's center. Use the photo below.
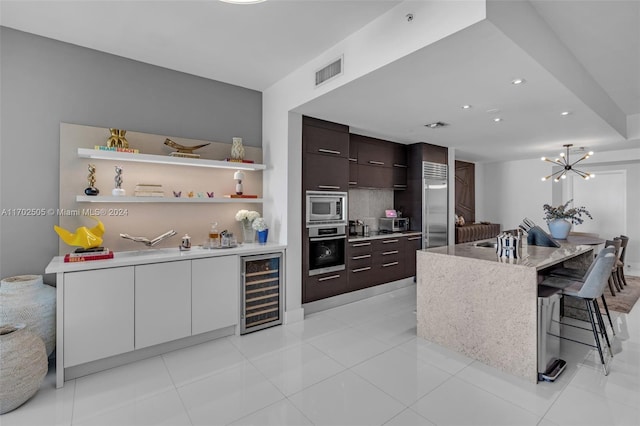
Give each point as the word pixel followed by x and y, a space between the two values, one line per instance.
pixel 435 205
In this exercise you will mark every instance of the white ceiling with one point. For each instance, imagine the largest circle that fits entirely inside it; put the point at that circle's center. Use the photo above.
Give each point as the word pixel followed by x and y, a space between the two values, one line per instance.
pixel 255 46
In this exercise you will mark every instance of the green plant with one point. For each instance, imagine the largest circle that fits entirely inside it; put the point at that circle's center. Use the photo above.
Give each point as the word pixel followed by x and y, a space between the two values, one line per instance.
pixel 574 214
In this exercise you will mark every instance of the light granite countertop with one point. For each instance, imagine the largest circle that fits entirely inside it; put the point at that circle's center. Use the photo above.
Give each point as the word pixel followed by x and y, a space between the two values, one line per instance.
pixel 377 236
pixel 533 256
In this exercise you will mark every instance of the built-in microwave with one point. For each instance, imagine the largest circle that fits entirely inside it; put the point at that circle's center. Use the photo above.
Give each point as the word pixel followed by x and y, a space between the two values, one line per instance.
pixel 326 208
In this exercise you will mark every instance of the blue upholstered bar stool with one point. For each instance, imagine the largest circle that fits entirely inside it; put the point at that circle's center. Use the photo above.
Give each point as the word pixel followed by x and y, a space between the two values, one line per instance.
pixel 589 291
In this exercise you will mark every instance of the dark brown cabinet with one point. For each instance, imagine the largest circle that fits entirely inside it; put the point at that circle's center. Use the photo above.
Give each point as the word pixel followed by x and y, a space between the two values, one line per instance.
pixel 376 163
pixel 359 265
pixel 324 173
pixel 324 141
pixel 388 262
pixel 322 286
pixel 325 148
pixel 412 244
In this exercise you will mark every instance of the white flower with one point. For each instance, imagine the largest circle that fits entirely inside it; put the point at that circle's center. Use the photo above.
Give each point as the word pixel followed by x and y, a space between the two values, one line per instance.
pixel 247 216
pixel 252 215
pixel 259 224
pixel 241 215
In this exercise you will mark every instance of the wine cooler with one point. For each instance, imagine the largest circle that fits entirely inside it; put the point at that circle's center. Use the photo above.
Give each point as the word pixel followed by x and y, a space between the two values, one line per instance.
pixel 262 292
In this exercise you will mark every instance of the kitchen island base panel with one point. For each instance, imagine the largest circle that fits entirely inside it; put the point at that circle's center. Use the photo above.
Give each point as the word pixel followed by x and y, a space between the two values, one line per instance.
pixel 76 371
pixel 487 311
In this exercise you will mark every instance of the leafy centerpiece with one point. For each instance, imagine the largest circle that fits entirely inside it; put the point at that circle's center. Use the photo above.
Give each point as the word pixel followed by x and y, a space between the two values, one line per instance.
pixel 560 218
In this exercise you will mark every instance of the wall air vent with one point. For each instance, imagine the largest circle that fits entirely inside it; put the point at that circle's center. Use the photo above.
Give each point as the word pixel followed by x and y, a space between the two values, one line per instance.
pixel 436 124
pixel 330 71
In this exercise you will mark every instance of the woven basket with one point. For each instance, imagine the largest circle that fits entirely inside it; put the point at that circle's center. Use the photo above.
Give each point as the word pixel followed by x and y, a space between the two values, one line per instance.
pixel 26 299
pixel 23 365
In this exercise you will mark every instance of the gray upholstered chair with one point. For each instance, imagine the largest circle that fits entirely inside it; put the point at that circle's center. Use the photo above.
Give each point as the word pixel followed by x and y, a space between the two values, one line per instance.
pixel 589 291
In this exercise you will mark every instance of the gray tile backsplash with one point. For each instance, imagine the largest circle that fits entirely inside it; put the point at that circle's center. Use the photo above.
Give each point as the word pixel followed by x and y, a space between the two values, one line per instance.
pixel 369 204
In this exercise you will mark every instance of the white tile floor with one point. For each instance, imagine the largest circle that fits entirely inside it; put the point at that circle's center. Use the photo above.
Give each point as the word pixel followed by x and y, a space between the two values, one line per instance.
pixel 359 364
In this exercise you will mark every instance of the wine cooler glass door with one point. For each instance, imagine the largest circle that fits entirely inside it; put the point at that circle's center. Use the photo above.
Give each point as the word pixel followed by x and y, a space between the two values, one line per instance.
pixel 262 301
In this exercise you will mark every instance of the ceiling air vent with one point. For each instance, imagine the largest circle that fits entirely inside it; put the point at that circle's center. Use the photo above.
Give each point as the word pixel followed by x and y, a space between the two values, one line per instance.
pixel 328 72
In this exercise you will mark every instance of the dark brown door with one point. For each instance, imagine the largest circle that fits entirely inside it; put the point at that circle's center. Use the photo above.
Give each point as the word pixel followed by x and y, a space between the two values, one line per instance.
pixel 465 191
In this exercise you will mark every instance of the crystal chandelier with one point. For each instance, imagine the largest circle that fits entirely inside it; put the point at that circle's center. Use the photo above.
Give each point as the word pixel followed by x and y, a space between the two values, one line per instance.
pixel 567 166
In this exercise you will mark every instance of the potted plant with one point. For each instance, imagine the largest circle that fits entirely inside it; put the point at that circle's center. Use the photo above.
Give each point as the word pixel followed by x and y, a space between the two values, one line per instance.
pixel 263 231
pixel 559 219
pixel 247 217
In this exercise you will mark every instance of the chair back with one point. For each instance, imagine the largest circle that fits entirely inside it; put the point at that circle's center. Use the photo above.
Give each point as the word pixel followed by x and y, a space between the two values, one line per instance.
pixel 623 247
pixel 598 276
pixel 608 248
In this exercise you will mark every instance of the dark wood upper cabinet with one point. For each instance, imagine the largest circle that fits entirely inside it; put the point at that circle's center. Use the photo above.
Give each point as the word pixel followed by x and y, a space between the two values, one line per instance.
pixel 466 191
pixel 325 148
pixel 380 163
pixel 318 140
pixel 399 158
pixel 435 153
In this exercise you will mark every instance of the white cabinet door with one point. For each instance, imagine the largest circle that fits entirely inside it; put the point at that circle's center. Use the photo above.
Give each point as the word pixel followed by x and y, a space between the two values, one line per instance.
pixel 215 286
pixel 98 314
pixel 162 302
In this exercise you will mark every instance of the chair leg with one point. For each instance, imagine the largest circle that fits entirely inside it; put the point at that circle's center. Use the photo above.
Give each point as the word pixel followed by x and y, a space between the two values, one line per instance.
pixel 616 280
pixel 596 337
pixel 621 276
pixel 603 329
pixel 613 292
pixel 606 309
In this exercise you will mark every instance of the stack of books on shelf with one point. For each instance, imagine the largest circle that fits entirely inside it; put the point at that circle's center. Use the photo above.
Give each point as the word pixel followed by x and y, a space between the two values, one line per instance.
pixel 184 154
pixel 113 148
pixel 84 255
pixel 148 190
pixel 234 160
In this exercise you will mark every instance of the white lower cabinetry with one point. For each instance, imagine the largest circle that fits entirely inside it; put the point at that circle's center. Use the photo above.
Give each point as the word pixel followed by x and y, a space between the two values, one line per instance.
pixel 162 302
pixel 98 314
pixel 215 284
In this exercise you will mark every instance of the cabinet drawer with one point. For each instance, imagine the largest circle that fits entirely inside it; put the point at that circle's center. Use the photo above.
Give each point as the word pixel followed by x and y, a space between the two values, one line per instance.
pixel 359 261
pixel 360 278
pixel 357 248
pixel 325 285
pixel 386 244
pixel 318 140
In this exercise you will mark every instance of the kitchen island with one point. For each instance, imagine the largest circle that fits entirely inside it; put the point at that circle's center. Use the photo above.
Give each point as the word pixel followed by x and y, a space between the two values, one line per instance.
pixel 485 307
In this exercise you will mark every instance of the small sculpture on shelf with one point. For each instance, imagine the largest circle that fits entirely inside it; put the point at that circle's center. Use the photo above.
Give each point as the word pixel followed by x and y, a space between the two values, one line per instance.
pixel 117 139
pixel 83 236
pixel 238 176
pixel 118 191
pixel 237 150
pixel 91 189
pixel 184 151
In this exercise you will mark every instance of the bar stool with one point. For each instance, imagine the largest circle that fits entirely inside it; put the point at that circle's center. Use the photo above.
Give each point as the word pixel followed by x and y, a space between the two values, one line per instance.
pixel 617 283
pixel 577 275
pixel 589 291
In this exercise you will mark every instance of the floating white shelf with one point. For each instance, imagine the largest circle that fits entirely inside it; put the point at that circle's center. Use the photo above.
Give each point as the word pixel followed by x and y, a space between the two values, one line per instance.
pixel 111 199
pixel 166 159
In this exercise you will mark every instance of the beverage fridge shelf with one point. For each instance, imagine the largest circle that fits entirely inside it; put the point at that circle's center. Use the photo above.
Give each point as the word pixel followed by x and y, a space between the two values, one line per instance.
pixel 254 274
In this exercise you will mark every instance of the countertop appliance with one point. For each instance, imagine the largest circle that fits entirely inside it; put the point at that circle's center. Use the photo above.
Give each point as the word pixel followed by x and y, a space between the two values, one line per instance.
pixel 435 204
pixel 393 224
pixel 326 208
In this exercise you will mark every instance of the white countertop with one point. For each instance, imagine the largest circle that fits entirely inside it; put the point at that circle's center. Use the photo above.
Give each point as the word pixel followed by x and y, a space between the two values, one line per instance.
pixel 139 257
pixel 533 256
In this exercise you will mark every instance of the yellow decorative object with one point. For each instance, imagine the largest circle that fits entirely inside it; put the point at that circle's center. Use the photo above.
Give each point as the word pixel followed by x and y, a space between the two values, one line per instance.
pixel 83 237
pixel 117 139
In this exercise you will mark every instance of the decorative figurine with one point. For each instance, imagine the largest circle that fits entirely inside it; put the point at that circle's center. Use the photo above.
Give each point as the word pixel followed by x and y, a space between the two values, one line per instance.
pixel 184 151
pixel 238 176
pixel 177 194
pixel 92 190
pixel 83 236
pixel 237 150
pixel 117 139
pixel 200 194
pixel 190 194
pixel 210 194
pixel 118 191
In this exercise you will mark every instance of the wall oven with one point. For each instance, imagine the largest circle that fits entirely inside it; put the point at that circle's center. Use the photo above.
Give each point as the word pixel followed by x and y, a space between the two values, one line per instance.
pixel 326 208
pixel 327 249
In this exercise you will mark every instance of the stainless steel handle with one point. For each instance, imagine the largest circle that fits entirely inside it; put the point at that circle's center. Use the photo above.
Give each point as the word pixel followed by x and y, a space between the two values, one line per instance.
pixel 377 163
pixel 353 159
pixel 339 237
pixel 352 182
pixel 389 264
pixel 364 256
pixel 389 241
pixel 328 151
pixel 399 165
pixel 331 277
pixel 397 185
pixel 413 238
pixel 328 187
pixel 361 269
pixel 386 253
pixel 361 245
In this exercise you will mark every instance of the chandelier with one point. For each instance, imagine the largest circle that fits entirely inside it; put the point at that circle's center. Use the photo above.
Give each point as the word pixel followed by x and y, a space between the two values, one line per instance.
pixel 567 166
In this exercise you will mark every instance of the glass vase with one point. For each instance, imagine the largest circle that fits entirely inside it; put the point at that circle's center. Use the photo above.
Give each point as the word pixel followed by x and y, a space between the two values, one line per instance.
pixel 248 233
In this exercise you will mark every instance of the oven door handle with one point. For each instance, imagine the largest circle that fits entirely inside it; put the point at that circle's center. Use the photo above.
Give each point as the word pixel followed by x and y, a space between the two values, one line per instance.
pixel 339 237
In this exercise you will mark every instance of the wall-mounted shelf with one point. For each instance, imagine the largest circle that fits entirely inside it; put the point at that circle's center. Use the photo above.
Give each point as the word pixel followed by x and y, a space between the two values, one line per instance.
pixel 111 199
pixel 166 159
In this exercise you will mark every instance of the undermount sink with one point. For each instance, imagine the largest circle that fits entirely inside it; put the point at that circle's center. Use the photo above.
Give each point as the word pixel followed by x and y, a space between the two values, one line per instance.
pixel 486 244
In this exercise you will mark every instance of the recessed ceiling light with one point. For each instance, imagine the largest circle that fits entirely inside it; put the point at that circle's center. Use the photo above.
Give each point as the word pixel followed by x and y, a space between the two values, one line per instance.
pixel 497 119
pixel 436 124
pixel 565 113
pixel 518 81
pixel 466 106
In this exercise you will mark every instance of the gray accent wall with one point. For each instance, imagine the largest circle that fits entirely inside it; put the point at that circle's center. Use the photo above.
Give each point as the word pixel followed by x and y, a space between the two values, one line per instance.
pixel 44 82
